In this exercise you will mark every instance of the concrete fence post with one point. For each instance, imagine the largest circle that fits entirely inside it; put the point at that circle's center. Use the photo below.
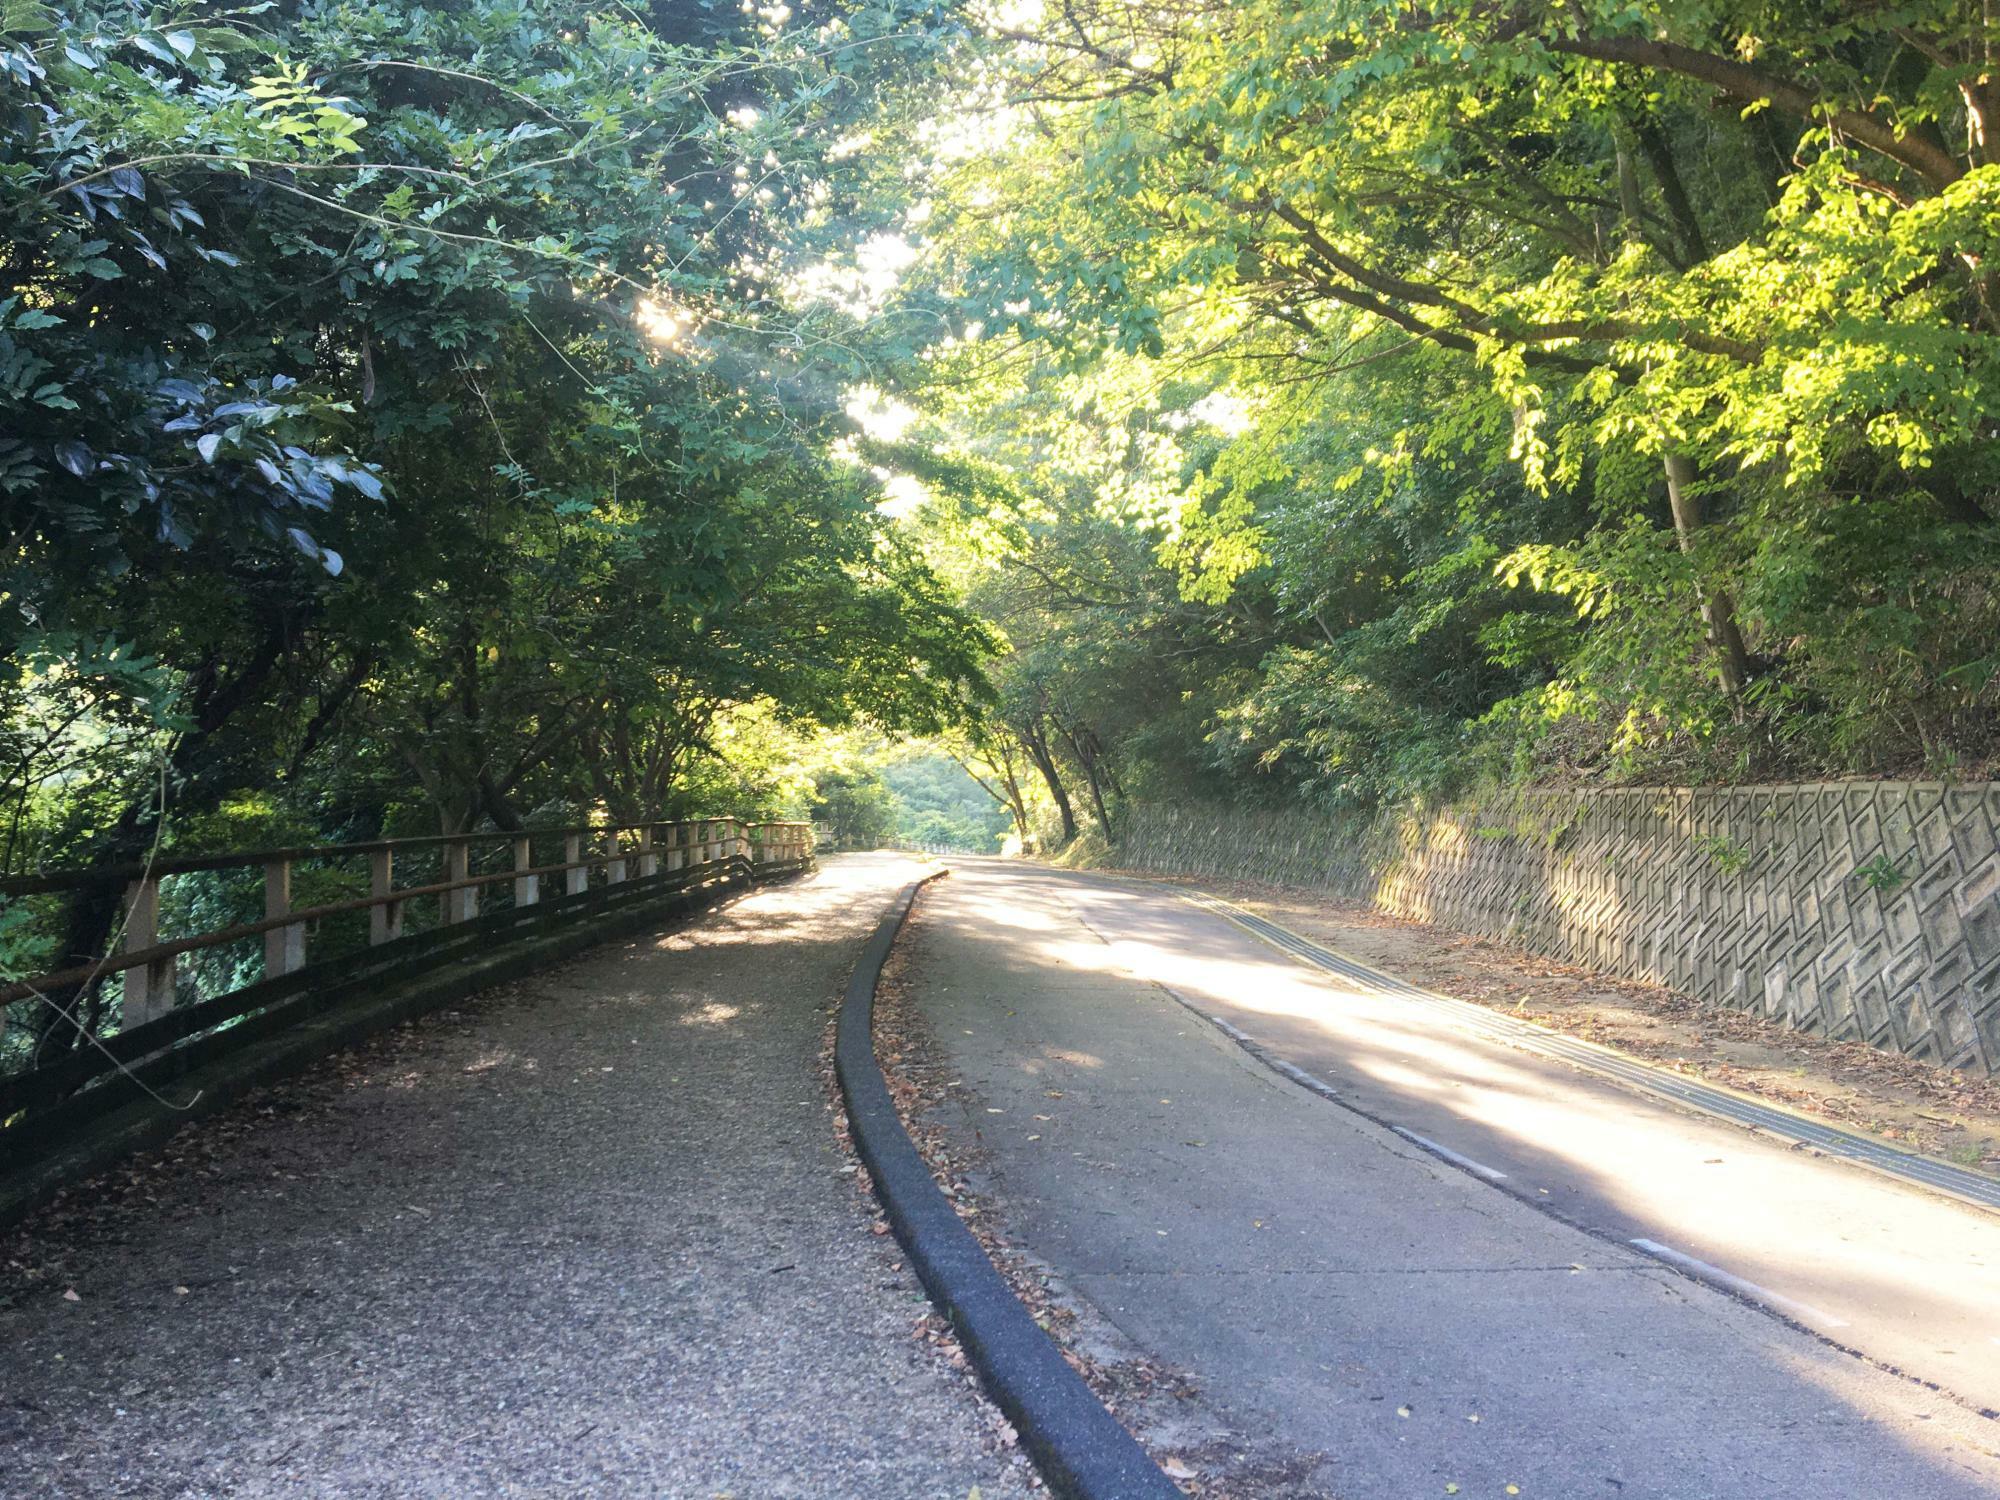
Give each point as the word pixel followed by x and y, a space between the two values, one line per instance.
pixel 284 947
pixel 676 840
pixel 576 880
pixel 527 888
pixel 649 862
pixel 385 922
pixel 614 864
pixel 460 905
pixel 149 988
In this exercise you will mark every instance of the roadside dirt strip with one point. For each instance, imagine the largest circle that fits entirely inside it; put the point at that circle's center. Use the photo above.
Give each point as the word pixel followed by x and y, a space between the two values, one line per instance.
pixel 1078 1445
pixel 1409 1248
pixel 589 1235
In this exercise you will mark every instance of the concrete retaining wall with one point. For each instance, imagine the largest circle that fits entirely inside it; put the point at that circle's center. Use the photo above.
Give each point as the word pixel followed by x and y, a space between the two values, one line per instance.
pixel 1858 910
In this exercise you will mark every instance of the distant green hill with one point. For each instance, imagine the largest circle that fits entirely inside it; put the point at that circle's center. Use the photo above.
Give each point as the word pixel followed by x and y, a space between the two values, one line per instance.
pixel 937 802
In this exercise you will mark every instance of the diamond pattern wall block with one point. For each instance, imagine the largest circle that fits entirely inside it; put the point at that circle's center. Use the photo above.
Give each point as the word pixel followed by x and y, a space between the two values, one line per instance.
pixel 1856 909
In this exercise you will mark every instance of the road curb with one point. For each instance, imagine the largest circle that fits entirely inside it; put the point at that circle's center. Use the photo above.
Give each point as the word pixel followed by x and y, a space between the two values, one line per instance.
pixel 1082 1451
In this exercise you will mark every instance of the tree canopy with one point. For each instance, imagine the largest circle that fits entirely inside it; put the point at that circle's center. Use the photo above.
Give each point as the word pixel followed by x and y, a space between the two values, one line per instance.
pixel 1357 398
pixel 404 418
pixel 418 417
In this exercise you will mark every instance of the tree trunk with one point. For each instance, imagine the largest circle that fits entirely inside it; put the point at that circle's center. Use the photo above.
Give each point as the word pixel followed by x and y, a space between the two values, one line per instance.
pixel 999 763
pixel 1035 741
pixel 1086 749
pixel 1017 804
pixel 497 805
pixel 1660 156
pixel 1718 611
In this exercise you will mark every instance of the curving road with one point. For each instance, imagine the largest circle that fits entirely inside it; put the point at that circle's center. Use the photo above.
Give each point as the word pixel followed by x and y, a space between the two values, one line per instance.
pixel 1416 1253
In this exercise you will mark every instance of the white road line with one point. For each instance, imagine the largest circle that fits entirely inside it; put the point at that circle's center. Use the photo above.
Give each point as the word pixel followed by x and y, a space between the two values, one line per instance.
pixel 1477 1168
pixel 1230 1031
pixel 1251 1045
pixel 1737 1284
pixel 1483 1025
pixel 1302 1078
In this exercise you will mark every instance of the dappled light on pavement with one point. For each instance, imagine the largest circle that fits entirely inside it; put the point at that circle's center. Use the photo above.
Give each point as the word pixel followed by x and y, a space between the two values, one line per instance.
pixel 1318 1262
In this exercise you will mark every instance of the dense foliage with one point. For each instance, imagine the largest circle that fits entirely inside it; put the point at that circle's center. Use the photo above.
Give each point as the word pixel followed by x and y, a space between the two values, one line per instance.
pixel 419 418
pixel 398 409
pixel 405 424
pixel 1360 397
pixel 939 804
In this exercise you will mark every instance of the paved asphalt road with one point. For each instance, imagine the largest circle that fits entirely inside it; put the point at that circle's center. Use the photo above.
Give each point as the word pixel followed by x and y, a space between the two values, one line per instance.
pixel 591 1237
pixel 1331 1281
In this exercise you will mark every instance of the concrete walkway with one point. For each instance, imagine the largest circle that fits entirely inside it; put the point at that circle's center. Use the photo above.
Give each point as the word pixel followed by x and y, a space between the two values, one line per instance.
pixel 1332 1284
pixel 590 1238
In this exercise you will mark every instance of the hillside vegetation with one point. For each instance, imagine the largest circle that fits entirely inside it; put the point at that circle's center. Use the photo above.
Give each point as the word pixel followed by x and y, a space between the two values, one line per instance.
pixel 420 419
pixel 1358 399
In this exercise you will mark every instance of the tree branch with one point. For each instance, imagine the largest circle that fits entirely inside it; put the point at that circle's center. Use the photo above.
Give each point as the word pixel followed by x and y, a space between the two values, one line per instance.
pixel 1930 162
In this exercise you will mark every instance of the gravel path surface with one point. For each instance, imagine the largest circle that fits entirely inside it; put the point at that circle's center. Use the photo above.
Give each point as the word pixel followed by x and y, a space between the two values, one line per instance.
pixel 589 1236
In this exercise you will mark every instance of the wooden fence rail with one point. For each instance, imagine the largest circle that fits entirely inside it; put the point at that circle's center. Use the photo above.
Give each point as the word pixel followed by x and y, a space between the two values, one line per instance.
pixel 601 865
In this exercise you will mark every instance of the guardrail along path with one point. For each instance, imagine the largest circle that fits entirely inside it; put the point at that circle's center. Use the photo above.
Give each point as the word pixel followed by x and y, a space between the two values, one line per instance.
pixel 590 1237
